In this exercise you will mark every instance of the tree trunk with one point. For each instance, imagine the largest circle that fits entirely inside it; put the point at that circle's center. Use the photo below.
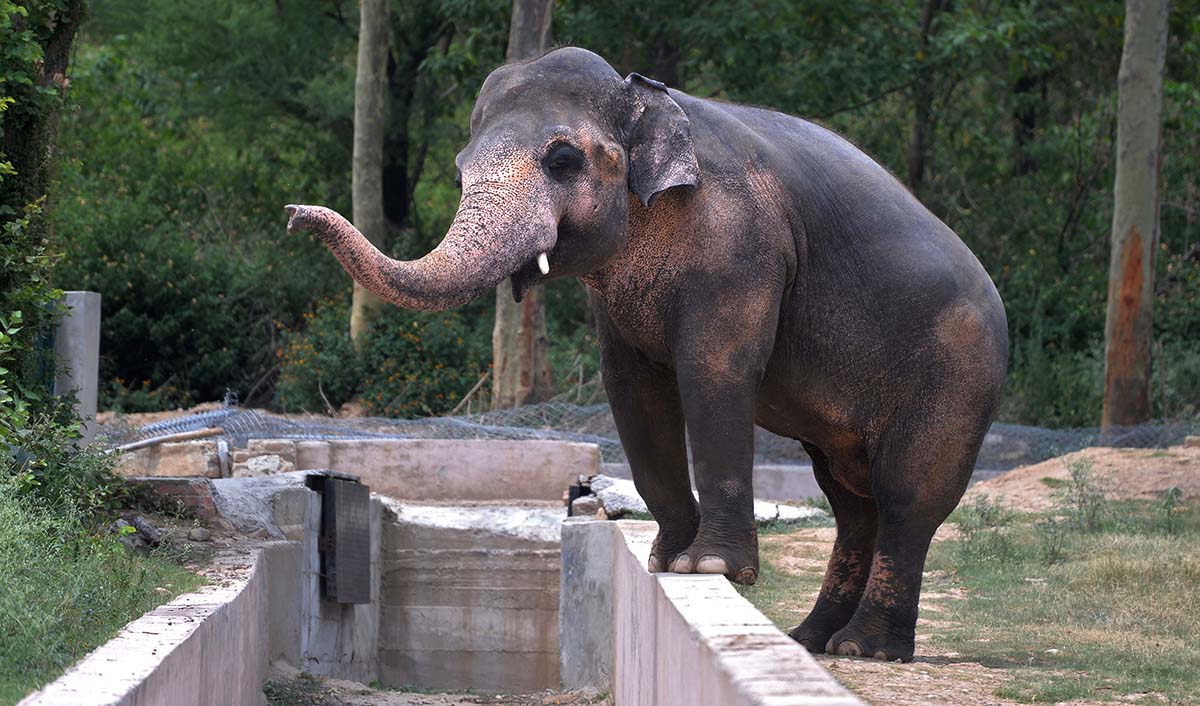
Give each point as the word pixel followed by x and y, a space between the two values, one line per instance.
pixel 520 344
pixel 370 86
pixel 922 102
pixel 1129 327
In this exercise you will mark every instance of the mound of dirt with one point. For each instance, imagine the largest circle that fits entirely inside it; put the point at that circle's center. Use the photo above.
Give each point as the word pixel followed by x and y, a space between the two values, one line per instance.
pixel 1124 474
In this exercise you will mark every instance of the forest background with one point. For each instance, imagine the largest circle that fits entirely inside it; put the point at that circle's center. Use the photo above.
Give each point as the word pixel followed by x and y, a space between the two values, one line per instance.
pixel 189 125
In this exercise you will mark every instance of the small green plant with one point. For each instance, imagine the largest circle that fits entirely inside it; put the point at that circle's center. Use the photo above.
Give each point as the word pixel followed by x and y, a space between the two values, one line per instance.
pixel 1084 496
pixel 1052 540
pixel 1169 506
pixel 984 525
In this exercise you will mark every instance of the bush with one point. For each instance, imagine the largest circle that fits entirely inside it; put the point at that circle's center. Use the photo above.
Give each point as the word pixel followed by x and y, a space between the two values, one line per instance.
pixel 985 526
pixel 419 364
pixel 1084 498
pixel 411 364
pixel 319 368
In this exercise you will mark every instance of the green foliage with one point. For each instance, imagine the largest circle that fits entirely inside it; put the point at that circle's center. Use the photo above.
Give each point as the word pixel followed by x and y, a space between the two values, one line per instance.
pixel 985 528
pixel 410 364
pixel 1084 496
pixel 197 120
pixel 44 463
pixel 1171 504
pixel 420 365
pixel 182 234
pixel 319 368
pixel 66 590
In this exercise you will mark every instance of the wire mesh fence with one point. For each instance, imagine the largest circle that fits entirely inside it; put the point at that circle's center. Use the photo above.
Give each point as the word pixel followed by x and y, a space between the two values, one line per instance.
pixel 1006 445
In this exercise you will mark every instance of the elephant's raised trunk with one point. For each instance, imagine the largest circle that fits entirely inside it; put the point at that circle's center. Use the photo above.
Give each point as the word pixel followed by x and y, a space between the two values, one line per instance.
pixel 481 248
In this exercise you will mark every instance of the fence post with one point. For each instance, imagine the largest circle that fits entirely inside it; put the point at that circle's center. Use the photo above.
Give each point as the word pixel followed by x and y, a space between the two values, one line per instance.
pixel 77 349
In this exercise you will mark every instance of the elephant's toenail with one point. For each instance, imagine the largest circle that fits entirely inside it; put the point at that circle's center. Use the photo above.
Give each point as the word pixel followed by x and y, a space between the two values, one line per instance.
pixel 681 565
pixel 654 566
pixel 850 648
pixel 712 565
pixel 880 654
pixel 746 577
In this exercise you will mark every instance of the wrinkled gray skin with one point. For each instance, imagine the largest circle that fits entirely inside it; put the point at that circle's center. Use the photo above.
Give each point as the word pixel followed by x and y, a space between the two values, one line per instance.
pixel 744 267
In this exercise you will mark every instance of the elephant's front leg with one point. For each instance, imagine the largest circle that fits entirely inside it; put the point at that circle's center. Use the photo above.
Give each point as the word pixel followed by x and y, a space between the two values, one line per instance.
pixel 645 405
pixel 719 408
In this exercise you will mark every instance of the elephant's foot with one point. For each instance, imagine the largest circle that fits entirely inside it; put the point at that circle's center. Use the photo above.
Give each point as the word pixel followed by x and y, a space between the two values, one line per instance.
pixel 736 559
pixel 860 640
pixel 669 544
pixel 820 625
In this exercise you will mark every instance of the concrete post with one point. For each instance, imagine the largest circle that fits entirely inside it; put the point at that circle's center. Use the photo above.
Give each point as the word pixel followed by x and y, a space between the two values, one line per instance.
pixel 77 347
pixel 585 603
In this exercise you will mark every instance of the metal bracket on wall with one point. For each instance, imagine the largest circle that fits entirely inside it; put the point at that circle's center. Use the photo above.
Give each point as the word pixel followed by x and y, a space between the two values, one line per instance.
pixel 345 540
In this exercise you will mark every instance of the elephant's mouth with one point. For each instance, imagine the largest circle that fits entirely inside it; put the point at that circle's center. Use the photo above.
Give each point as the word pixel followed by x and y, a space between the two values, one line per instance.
pixel 526 278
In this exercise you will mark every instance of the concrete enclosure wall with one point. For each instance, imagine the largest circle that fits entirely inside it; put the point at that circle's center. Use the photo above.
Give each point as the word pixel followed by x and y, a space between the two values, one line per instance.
pixel 676 640
pixel 214 647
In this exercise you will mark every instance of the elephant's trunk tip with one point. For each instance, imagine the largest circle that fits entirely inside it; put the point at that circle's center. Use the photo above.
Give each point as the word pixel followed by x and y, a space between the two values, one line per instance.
pixel 295 217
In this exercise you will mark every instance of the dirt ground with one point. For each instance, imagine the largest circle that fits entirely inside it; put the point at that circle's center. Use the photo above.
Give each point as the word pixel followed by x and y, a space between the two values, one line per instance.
pixel 938 677
pixel 1125 474
pixel 289 687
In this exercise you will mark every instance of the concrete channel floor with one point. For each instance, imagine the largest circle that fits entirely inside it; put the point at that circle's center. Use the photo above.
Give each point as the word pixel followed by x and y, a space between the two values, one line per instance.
pixel 292 688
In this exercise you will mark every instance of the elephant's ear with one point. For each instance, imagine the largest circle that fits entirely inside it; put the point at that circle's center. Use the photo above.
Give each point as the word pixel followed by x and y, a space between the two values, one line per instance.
pixel 658 141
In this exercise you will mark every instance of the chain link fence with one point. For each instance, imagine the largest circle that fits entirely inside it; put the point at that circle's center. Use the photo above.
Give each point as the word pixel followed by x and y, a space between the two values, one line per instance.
pixel 1006 446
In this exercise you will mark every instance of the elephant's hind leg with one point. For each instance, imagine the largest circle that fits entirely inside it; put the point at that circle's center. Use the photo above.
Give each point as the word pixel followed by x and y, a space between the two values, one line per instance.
pixel 849 563
pixel 918 474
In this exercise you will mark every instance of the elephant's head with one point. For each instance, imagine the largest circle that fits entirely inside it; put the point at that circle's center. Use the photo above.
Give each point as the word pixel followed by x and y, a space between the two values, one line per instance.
pixel 557 145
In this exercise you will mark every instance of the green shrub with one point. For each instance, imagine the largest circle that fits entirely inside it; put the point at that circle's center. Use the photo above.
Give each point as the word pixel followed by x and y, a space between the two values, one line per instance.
pixel 420 364
pixel 411 364
pixel 1084 497
pixel 985 526
pixel 45 464
pixel 319 368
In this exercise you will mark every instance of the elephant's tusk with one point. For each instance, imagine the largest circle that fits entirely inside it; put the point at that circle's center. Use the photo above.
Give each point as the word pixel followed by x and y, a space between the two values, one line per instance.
pixel 543 263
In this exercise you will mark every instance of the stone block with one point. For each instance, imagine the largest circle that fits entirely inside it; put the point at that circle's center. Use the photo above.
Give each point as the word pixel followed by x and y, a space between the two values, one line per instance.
pixel 265 465
pixel 177 459
pixel 77 348
pixel 283 448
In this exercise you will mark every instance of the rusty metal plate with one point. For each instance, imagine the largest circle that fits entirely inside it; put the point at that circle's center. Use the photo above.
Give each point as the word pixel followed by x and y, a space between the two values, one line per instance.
pixel 346 540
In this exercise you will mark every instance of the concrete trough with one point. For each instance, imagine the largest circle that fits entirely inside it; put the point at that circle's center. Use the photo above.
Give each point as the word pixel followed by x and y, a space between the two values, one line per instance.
pixel 465 594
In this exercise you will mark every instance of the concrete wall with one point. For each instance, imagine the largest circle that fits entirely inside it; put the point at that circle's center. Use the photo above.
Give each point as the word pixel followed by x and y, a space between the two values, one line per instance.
pixel 214 647
pixel 470 597
pixel 207 648
pixel 455 469
pixel 686 640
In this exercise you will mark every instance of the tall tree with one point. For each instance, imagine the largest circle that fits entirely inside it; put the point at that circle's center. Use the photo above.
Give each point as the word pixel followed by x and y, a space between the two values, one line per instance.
pixel 520 344
pixel 1129 326
pixel 922 99
pixel 370 90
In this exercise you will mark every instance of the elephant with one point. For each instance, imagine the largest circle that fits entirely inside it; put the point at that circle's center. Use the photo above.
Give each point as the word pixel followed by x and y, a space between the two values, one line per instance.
pixel 744 267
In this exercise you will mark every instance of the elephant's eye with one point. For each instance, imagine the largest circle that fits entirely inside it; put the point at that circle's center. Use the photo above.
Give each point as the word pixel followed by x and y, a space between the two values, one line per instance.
pixel 562 160
pixel 458 178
